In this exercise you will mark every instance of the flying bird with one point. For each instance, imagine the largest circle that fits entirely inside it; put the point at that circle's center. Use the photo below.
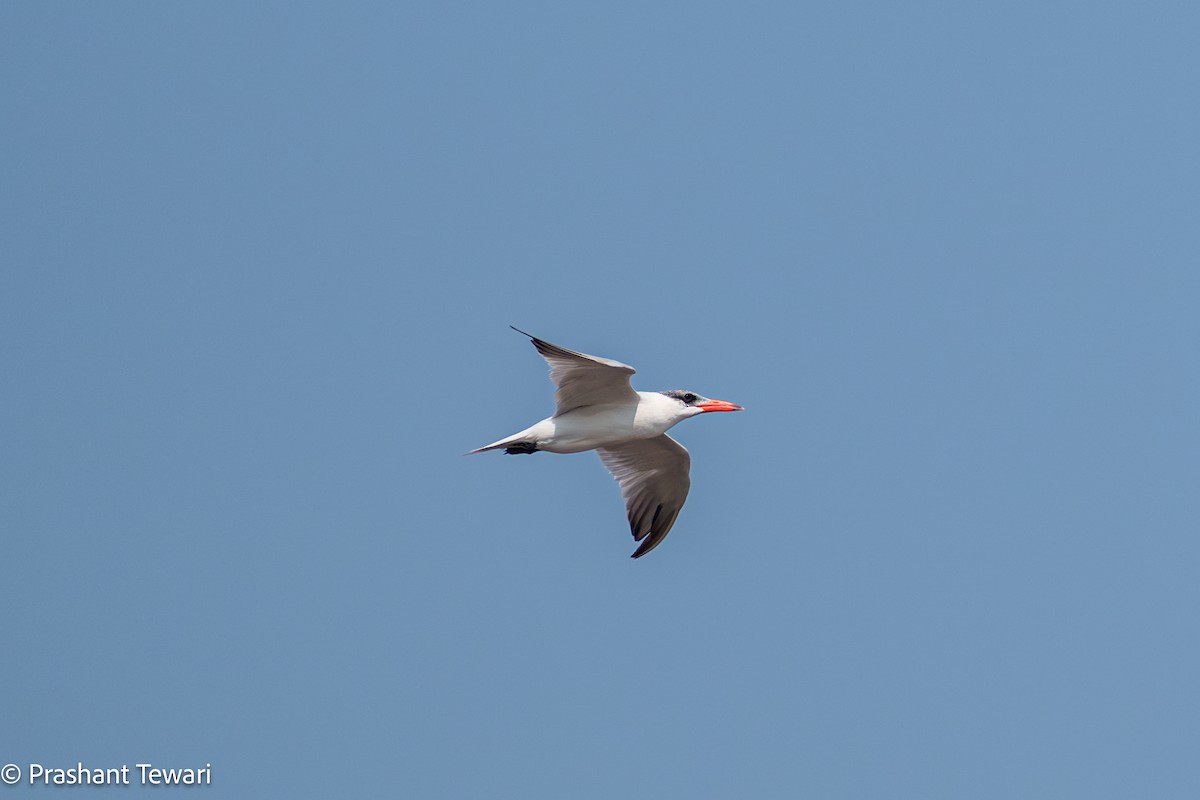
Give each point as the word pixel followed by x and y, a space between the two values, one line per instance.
pixel 597 409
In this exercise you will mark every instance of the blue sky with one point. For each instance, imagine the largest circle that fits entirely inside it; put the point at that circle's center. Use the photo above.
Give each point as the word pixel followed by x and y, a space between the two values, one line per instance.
pixel 259 264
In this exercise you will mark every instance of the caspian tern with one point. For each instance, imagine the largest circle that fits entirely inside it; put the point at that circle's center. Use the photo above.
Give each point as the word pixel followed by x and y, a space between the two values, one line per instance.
pixel 597 409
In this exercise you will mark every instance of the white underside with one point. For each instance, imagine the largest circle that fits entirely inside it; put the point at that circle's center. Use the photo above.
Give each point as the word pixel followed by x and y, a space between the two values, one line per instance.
pixel 600 426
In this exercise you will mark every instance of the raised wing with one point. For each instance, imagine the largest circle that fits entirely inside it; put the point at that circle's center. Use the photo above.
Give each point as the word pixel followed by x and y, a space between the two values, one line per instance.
pixel 584 380
pixel 653 474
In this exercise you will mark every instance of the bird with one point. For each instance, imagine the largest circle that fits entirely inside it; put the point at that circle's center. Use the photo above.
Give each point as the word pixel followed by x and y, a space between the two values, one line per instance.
pixel 596 408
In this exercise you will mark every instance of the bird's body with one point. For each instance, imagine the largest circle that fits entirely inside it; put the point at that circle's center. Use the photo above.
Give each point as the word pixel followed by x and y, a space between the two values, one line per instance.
pixel 589 427
pixel 598 410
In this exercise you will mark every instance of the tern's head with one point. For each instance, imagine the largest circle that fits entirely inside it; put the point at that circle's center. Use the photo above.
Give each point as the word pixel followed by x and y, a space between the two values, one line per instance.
pixel 692 403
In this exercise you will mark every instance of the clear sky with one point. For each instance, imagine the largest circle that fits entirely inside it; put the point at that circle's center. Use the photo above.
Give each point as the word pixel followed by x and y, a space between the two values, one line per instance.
pixel 259 263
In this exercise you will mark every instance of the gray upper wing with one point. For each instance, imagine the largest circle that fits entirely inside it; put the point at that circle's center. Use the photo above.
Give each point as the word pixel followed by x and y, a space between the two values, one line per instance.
pixel 584 380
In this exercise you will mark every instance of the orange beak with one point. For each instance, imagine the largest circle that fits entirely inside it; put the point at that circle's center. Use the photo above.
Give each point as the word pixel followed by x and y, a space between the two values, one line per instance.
pixel 719 405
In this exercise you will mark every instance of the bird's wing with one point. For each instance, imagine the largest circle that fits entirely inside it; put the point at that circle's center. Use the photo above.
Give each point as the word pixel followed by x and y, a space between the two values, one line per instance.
pixel 584 380
pixel 653 474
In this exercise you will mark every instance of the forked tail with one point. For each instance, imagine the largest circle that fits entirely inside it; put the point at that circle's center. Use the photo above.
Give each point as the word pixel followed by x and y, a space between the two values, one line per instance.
pixel 513 445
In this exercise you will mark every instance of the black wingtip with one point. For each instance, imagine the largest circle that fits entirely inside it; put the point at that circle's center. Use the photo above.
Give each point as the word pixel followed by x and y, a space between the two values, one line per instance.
pixel 523 333
pixel 647 545
pixel 655 535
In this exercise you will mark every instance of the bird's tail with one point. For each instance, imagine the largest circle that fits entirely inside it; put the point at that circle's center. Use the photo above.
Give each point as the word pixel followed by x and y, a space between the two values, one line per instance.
pixel 495 446
pixel 517 443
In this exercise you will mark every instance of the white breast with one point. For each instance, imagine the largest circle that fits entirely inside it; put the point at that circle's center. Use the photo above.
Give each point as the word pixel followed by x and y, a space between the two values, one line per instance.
pixel 599 426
